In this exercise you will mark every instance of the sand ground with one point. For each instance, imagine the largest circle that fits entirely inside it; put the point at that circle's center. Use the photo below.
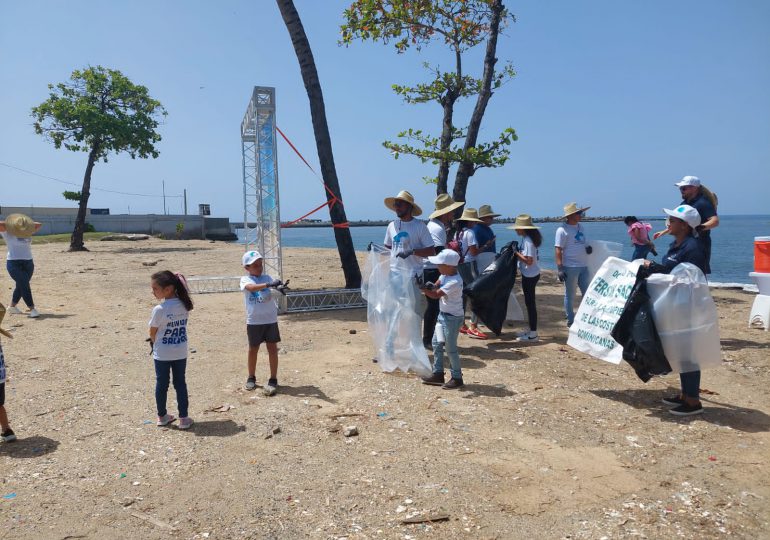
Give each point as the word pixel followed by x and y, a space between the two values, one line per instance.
pixel 544 442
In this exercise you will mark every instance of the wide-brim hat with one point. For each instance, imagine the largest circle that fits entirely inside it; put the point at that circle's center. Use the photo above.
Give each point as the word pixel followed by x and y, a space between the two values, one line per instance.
pixel 469 214
pixel 406 197
pixel 523 221
pixel 445 204
pixel 20 225
pixel 485 210
pixel 2 315
pixel 572 208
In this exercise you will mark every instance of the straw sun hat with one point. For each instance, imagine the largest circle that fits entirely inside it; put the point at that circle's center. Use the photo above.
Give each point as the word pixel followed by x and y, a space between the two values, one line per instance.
pixel 406 197
pixel 20 225
pixel 2 314
pixel 485 210
pixel 523 221
pixel 572 208
pixel 445 204
pixel 469 214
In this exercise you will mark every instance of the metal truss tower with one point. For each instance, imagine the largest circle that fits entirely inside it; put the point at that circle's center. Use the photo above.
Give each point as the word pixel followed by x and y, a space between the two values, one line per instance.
pixel 261 216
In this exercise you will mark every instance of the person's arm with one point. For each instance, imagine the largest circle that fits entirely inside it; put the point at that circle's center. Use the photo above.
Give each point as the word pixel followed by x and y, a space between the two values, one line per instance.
pixel 711 223
pixel 153 333
pixel 558 256
pixel 425 252
pixel 254 287
pixel 435 294
pixel 2 226
pixel 527 260
pixel 37 226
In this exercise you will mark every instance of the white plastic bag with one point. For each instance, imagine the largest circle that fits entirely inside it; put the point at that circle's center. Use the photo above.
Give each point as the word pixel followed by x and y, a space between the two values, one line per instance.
pixel 394 312
pixel 600 309
pixel 686 318
pixel 601 250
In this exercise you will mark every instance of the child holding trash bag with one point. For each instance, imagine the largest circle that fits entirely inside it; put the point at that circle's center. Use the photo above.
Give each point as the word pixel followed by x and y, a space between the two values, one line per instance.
pixel 449 291
pixel 682 223
pixel 261 319
pixel 168 335
pixel 528 257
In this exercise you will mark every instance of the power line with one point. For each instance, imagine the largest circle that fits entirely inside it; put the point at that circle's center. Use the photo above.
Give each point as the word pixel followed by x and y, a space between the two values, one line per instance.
pixel 92 189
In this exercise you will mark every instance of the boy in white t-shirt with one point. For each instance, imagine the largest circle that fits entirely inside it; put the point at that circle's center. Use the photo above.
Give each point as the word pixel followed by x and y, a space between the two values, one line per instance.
pixel 261 319
pixel 449 291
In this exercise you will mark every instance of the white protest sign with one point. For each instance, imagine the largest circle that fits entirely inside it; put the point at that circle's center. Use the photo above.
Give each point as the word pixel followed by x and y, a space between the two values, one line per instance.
pixel 600 309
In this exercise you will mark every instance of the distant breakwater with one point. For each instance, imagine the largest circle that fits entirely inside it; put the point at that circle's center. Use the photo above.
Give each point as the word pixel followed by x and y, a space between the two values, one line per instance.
pixel 384 223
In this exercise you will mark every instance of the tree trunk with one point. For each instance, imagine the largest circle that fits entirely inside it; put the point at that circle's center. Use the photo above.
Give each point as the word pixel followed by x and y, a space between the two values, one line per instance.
pixel 448 104
pixel 466 168
pixel 76 240
pixel 323 140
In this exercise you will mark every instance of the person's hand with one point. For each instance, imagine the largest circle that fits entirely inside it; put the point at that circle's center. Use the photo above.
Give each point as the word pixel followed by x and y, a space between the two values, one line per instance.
pixel 275 284
pixel 148 340
pixel 589 249
pixel 647 263
pixel 562 274
pixel 429 286
pixel 404 254
pixel 659 234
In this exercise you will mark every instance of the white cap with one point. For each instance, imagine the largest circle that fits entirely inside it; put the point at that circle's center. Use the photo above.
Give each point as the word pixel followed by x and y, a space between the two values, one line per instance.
pixel 688 181
pixel 251 256
pixel 686 213
pixel 447 256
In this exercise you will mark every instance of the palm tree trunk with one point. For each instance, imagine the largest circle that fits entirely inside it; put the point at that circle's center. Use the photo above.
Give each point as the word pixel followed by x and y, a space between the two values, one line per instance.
pixel 76 240
pixel 466 168
pixel 322 139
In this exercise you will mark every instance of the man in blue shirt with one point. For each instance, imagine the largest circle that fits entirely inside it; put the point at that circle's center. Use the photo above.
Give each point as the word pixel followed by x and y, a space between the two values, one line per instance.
pixel 485 237
pixel 693 195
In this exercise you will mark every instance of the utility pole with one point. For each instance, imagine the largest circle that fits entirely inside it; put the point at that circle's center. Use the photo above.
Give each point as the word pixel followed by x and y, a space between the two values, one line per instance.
pixel 164 197
pixel 185 201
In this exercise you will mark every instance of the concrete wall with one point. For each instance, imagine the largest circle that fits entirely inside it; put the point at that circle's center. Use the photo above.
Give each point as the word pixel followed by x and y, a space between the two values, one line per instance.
pixel 56 222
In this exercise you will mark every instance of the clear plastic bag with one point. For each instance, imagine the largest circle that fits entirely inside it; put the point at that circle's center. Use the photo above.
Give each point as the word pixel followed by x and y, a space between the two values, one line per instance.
pixel 686 318
pixel 394 312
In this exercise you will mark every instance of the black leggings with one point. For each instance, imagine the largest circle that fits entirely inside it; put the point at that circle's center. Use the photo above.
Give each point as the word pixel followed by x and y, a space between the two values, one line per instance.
pixel 528 285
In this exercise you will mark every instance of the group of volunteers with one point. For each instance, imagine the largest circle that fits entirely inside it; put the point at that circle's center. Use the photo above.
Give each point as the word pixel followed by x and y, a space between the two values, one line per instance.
pixel 434 257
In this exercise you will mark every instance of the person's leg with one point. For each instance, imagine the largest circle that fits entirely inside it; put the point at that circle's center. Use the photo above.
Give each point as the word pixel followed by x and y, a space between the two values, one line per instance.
pixel 178 368
pixel 18 277
pixel 252 360
pixel 583 280
pixel 162 376
pixel 570 284
pixel 690 387
pixel 431 312
pixel 28 267
pixel 528 285
pixel 439 344
pixel 4 424
pixel 272 356
pixel 452 330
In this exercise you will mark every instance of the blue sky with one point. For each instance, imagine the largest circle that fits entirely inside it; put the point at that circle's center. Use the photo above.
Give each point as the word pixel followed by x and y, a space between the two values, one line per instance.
pixel 613 101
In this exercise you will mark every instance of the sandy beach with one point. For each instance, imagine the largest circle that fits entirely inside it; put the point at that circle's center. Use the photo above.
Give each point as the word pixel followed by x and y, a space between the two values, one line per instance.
pixel 543 442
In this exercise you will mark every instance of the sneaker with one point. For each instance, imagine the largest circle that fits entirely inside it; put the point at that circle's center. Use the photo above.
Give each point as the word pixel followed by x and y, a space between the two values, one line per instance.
pixel 436 379
pixel 674 401
pixel 251 383
pixel 463 329
pixel 522 334
pixel 453 384
pixel 475 333
pixel 529 336
pixel 33 314
pixel 165 420
pixel 13 310
pixel 185 422
pixel 271 387
pixel 687 410
pixel 8 435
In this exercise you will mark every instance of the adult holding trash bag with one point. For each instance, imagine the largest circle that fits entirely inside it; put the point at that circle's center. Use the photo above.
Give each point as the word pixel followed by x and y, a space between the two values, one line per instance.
pixel 682 224
pixel 528 257
pixel 485 236
pixel 438 222
pixel 571 256
pixel 17 231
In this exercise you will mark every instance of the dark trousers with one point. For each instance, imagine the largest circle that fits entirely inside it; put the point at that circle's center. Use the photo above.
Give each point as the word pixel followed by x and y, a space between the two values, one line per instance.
pixel 21 272
pixel 163 370
pixel 690 384
pixel 528 285
pixel 431 312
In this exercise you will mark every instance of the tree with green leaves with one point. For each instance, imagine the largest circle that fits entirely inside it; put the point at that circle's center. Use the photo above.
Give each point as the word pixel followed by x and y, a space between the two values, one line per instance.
pixel 460 25
pixel 323 141
pixel 99 111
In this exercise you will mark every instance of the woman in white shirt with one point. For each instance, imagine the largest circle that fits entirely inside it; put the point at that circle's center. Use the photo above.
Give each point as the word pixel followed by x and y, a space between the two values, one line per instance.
pixel 530 269
pixel 17 230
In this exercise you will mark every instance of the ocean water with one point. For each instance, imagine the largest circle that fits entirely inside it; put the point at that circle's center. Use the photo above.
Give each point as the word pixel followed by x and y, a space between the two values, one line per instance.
pixel 732 252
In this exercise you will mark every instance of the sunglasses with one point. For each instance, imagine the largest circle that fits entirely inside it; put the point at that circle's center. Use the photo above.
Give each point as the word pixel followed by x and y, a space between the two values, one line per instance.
pixel 398 202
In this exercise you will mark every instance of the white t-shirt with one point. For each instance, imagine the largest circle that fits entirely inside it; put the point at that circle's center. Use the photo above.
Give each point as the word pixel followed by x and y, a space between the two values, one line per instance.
pixel 528 249
pixel 438 233
pixel 19 249
pixel 260 306
pixel 170 318
pixel 452 301
pixel 468 239
pixel 572 240
pixel 2 365
pixel 405 235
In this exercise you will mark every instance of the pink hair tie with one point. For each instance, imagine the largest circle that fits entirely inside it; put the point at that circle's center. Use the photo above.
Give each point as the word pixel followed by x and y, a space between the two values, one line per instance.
pixel 182 280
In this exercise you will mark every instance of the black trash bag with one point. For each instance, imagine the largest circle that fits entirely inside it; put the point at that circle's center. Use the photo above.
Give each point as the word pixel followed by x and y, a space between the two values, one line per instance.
pixel 636 332
pixel 489 292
